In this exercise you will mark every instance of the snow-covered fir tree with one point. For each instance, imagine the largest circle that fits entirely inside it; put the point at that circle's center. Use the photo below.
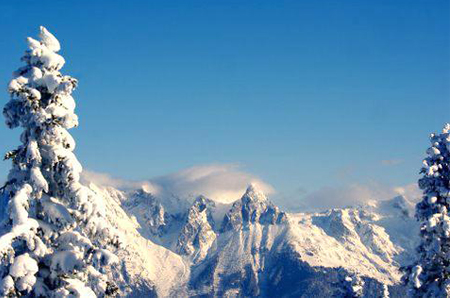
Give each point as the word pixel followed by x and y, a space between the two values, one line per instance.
pixel 56 241
pixel 430 275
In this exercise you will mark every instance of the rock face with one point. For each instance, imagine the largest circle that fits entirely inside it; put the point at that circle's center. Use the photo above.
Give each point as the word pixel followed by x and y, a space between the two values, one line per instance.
pixel 252 208
pixel 153 215
pixel 200 248
pixel 197 235
pixel 355 226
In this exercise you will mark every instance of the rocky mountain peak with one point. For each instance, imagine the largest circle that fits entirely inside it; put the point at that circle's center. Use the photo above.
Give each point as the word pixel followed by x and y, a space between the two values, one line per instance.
pixel 197 234
pixel 253 193
pixel 149 209
pixel 201 203
pixel 258 251
pixel 398 205
pixel 253 207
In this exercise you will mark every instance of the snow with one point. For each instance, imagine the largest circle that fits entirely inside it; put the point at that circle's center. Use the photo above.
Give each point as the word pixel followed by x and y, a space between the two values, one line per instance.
pixel 34 74
pixel 40 249
pixel 26 283
pixel 7 284
pixel 23 265
pixel 57 136
pixel 174 245
pixel 197 235
pixel 341 238
pixel 56 110
pixel 33 154
pixel 370 239
pixel 38 180
pixel 57 213
pixel 14 86
pixel 70 121
pixel 33 43
pixel 54 219
pixel 75 238
pixel 415 276
pixel 19 231
pixel 428 275
pixel 34 94
pixel 51 81
pixel 68 102
pixel 19 202
pixel 144 260
pixel 366 241
pixel 104 257
pixel 76 288
pixel 67 261
pixel 432 200
pixel 49 40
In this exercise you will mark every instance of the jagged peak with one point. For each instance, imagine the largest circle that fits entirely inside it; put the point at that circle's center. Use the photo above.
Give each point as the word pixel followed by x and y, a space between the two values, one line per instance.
pixel 254 193
pixel 201 203
pixel 397 204
pixel 202 199
pixel 400 200
pixel 254 207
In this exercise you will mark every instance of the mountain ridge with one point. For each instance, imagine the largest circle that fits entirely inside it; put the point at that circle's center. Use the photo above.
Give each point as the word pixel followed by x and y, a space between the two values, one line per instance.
pixel 184 249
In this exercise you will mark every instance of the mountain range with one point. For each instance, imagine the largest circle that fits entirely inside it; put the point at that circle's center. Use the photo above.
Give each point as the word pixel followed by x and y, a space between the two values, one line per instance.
pixel 201 247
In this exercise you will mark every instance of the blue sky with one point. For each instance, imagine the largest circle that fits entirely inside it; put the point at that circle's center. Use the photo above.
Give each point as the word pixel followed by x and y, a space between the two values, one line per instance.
pixel 303 94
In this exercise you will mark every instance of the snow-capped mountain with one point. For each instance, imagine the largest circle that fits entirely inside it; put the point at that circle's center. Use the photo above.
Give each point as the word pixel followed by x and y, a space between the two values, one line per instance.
pixel 178 247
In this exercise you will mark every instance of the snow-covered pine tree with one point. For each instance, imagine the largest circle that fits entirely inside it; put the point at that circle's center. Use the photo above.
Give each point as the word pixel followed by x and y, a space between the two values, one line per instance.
pixel 430 275
pixel 56 241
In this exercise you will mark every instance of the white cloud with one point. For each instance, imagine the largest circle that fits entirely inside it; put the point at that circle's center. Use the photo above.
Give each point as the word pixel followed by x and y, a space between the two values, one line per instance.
pixel 411 191
pixel 356 194
pixel 227 182
pixel 221 182
pixel 106 180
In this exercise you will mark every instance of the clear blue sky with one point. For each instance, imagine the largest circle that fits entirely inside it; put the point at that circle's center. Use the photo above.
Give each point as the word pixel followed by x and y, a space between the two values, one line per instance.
pixel 304 94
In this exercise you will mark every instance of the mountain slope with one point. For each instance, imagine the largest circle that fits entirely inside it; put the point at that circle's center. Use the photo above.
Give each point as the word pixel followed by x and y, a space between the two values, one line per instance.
pixel 176 247
pixel 184 247
pixel 143 262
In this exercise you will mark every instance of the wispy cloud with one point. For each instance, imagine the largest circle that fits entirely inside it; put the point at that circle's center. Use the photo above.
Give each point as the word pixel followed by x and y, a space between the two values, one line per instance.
pixel 356 194
pixel 222 182
pixel 227 183
pixel 106 180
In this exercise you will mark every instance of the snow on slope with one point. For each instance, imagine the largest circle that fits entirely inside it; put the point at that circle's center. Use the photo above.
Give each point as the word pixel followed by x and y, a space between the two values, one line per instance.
pixel 144 264
pixel 340 238
pixel 175 247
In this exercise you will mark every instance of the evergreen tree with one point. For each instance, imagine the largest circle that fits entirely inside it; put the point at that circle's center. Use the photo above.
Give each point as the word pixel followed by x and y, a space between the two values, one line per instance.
pixel 430 275
pixel 56 240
